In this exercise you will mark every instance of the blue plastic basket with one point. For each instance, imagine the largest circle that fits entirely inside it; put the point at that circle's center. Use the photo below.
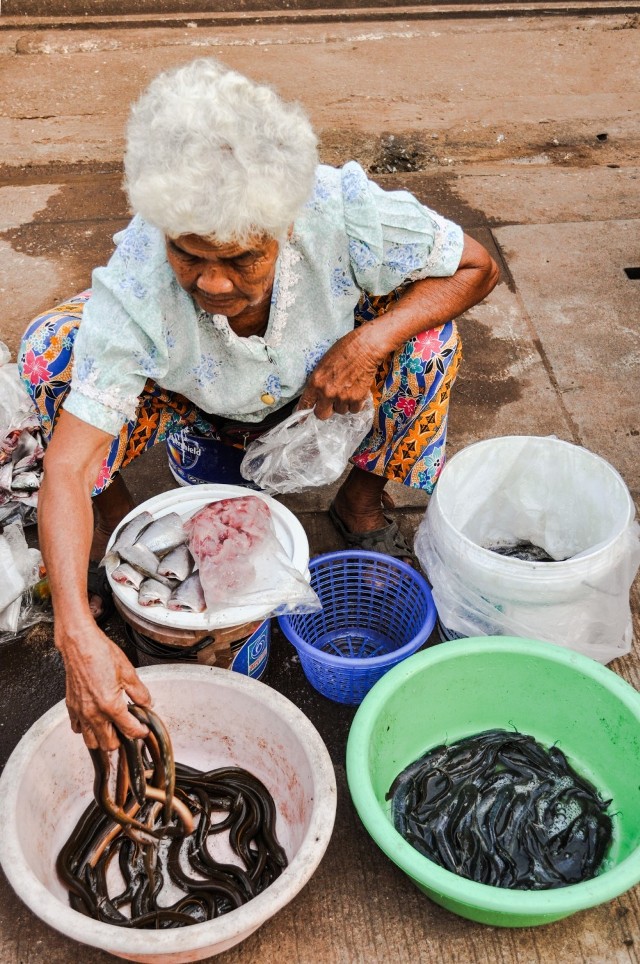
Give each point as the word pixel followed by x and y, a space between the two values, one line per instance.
pixel 376 611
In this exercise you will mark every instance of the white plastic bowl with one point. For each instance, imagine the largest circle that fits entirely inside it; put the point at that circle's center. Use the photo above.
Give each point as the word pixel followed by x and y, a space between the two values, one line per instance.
pixel 186 502
pixel 215 718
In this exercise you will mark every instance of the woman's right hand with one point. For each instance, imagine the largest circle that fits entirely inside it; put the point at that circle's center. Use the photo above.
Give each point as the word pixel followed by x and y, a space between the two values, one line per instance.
pixel 100 679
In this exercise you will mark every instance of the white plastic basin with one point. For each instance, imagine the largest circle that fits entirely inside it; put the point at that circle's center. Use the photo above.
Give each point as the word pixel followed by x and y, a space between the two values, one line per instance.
pixel 186 502
pixel 215 718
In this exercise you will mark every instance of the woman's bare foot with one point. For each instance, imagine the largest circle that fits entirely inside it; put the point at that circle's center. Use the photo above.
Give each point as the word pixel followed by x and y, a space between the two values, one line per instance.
pixel 110 508
pixel 359 506
pixel 359 501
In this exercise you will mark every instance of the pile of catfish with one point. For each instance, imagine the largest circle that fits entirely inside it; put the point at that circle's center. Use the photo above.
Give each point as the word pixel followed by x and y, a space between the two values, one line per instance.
pixel 189 565
pixel 501 809
pixel 525 550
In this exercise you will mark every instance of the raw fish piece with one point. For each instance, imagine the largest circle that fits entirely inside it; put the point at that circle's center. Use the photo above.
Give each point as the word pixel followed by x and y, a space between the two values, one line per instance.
pixel 225 537
pixel 177 564
pixel 188 596
pixel 127 575
pixel 163 534
pixel 141 559
pixel 127 535
pixel 153 593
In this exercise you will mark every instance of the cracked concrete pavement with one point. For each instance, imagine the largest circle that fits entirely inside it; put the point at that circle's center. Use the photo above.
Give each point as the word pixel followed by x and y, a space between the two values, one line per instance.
pixel 527 132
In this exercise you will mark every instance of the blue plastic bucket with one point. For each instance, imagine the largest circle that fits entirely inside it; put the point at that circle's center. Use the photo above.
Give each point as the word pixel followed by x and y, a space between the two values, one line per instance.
pixel 195 459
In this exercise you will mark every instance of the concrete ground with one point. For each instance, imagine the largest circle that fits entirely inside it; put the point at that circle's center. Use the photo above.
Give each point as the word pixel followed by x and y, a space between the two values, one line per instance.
pixel 526 131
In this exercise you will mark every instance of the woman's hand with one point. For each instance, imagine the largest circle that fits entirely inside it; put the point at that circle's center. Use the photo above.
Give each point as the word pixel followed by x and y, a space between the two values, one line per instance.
pixel 99 680
pixel 343 378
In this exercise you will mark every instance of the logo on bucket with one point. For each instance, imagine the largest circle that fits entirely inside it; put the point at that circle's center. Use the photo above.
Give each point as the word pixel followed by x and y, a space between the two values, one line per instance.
pixel 184 450
pixel 196 459
pixel 252 657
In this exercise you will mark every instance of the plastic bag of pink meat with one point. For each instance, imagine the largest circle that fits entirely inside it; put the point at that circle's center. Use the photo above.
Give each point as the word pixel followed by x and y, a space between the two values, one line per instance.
pixel 241 561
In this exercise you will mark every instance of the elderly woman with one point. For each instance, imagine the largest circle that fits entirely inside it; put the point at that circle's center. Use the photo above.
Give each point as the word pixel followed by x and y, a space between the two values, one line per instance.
pixel 250 280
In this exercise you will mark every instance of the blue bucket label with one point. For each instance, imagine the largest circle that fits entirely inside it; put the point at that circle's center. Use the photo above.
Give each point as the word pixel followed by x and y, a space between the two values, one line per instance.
pixel 252 657
pixel 184 450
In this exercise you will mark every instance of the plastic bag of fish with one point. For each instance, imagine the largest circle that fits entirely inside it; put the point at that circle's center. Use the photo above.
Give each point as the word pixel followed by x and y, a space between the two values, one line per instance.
pixel 225 556
pixel 21 447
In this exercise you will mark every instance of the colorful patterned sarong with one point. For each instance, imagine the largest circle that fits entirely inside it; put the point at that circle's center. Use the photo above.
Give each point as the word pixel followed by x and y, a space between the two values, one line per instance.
pixel 411 403
pixel 410 394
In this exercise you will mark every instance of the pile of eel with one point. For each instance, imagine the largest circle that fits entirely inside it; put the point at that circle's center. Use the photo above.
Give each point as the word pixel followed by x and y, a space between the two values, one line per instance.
pixel 139 855
pixel 501 809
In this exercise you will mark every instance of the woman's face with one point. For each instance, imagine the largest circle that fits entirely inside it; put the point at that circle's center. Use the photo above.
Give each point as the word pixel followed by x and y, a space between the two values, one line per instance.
pixel 224 279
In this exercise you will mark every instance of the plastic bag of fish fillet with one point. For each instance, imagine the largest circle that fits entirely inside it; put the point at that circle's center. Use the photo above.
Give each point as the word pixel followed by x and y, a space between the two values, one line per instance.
pixel 533 537
pixel 303 451
pixel 241 561
pixel 21 448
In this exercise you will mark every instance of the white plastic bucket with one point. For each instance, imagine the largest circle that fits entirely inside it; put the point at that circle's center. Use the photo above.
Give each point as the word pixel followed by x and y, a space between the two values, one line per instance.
pixel 558 496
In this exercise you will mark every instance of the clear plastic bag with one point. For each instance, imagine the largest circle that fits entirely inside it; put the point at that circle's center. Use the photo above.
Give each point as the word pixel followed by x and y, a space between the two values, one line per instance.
pixel 555 495
pixel 241 561
pixel 304 451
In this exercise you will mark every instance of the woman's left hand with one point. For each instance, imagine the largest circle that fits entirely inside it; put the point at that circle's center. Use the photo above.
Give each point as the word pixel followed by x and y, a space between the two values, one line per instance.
pixel 343 378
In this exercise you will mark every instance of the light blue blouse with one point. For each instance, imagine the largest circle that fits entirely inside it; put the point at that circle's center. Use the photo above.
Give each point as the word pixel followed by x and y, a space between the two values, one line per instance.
pixel 139 323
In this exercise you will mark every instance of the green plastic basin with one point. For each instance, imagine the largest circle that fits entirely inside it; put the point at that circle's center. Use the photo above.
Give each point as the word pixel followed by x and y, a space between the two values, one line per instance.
pixel 460 688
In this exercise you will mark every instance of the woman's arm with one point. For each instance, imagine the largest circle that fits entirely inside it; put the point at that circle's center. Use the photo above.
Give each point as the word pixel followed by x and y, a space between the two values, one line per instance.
pixel 343 377
pixel 98 673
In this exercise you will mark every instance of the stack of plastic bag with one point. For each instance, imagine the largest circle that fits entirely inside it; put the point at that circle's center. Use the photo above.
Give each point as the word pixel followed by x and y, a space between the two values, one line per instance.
pixel 21 448
pixel 20 605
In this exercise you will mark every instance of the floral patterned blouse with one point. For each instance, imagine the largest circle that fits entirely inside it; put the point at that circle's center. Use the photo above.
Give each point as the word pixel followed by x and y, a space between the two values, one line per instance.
pixel 140 324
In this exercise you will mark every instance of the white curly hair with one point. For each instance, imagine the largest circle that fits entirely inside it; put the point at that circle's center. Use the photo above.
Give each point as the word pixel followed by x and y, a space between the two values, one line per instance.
pixel 212 153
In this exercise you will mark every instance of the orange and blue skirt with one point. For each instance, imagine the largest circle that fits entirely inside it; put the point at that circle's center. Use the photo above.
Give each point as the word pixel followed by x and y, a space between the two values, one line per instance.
pixel 411 392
